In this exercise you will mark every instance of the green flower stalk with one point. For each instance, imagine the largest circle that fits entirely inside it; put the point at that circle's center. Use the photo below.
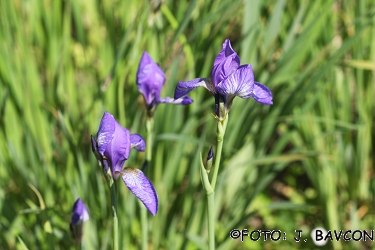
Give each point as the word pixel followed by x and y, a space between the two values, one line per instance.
pixel 150 80
pixel 111 147
pixel 228 80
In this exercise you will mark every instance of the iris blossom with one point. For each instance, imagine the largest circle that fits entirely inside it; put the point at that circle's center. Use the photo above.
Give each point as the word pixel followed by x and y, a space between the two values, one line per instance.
pixel 150 80
pixel 228 80
pixel 112 148
pixel 80 214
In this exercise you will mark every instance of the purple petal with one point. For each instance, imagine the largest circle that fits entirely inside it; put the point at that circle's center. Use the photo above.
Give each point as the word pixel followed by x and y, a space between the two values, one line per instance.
pixel 119 149
pixel 226 51
pixel 137 142
pixel 79 213
pixel 185 100
pixel 150 78
pixel 141 187
pixel 226 62
pixel 262 94
pixel 240 83
pixel 106 131
pixel 183 88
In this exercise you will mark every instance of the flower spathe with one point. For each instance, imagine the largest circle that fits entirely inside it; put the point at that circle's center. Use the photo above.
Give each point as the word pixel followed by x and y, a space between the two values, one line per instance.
pixel 210 158
pixel 150 80
pixel 112 148
pixel 228 80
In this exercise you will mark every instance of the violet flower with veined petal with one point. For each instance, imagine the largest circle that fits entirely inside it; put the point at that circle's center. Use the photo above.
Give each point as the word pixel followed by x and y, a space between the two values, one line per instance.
pixel 111 148
pixel 113 143
pixel 150 80
pixel 80 214
pixel 228 80
pixel 141 187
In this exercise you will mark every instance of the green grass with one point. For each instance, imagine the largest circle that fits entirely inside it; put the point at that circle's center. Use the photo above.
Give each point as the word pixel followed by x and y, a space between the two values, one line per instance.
pixel 304 162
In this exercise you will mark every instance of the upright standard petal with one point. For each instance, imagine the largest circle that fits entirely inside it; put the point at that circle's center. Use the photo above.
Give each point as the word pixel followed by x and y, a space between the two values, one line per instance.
pixel 226 62
pixel 183 88
pixel 150 79
pixel 137 142
pixel 240 83
pixel 141 187
pixel 185 100
pixel 226 51
pixel 262 94
pixel 105 132
pixel 119 149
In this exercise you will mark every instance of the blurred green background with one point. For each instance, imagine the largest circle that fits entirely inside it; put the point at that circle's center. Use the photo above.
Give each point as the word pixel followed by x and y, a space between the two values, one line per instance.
pixel 306 161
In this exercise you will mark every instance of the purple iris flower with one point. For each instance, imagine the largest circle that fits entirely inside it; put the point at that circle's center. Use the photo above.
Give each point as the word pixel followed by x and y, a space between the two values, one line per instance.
pixel 150 80
pixel 80 214
pixel 228 80
pixel 112 148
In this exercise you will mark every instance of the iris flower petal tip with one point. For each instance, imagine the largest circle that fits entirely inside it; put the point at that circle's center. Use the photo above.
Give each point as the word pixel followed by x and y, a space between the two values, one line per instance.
pixel 142 188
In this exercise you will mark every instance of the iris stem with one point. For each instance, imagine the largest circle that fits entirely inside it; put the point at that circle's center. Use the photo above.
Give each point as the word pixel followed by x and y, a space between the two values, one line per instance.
pixel 221 127
pixel 79 245
pixel 150 128
pixel 144 224
pixel 144 221
pixel 112 186
pixel 211 220
pixel 210 187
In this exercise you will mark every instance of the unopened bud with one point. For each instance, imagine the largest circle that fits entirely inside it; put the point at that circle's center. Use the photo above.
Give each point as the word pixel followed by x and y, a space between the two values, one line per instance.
pixel 80 214
pixel 210 158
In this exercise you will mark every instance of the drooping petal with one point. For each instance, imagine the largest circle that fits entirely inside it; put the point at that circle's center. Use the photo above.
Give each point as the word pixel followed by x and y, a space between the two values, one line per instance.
pixel 141 187
pixel 105 132
pixel 262 94
pixel 137 142
pixel 240 83
pixel 226 62
pixel 183 88
pixel 185 100
pixel 119 149
pixel 79 213
pixel 150 78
